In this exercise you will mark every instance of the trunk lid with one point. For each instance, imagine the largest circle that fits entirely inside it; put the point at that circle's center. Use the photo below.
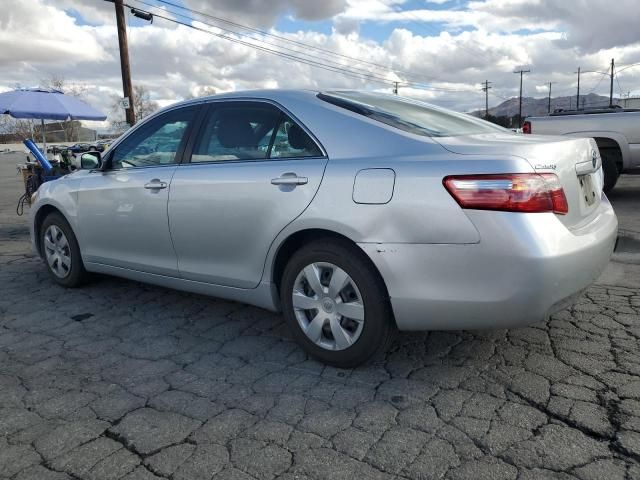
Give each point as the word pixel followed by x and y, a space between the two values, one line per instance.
pixel 576 162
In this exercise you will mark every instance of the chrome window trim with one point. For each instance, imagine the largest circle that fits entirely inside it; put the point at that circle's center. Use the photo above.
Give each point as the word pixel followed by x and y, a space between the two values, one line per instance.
pixel 249 160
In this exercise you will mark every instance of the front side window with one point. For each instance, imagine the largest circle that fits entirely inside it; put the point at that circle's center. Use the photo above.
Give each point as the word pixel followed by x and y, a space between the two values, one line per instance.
pixel 155 143
pixel 251 131
pixel 409 115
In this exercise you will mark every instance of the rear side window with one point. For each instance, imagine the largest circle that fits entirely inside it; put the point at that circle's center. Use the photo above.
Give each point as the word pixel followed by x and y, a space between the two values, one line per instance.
pixel 251 131
pixel 409 115
pixel 291 141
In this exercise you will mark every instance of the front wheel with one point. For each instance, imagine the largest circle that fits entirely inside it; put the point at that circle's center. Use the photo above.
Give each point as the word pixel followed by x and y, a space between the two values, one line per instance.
pixel 336 304
pixel 61 251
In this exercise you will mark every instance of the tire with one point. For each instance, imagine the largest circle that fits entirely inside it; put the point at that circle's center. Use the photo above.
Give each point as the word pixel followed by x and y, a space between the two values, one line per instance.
pixel 363 290
pixel 68 274
pixel 610 157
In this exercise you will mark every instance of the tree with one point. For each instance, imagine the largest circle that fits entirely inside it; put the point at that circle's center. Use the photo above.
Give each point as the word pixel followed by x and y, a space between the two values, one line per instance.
pixel 56 82
pixel 142 106
pixel 16 129
pixel 201 91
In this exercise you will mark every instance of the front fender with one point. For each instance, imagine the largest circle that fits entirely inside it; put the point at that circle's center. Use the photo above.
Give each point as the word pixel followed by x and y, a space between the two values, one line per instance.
pixel 61 195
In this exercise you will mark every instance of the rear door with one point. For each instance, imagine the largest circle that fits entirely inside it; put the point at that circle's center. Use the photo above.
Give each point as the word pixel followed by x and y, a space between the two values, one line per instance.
pixel 253 169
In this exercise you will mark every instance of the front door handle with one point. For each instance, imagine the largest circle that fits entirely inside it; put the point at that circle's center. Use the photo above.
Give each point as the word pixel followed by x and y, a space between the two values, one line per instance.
pixel 155 184
pixel 289 179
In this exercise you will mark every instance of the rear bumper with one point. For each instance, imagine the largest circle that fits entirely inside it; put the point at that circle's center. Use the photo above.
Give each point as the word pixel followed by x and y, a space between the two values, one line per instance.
pixel 525 267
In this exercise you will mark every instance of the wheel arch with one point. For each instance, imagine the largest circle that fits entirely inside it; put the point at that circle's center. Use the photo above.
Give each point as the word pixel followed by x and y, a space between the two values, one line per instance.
pixel 298 239
pixel 43 212
pixel 613 144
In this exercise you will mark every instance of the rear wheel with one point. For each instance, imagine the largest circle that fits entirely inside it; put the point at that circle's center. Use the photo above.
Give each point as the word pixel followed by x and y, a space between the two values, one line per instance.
pixel 335 304
pixel 61 251
pixel 610 161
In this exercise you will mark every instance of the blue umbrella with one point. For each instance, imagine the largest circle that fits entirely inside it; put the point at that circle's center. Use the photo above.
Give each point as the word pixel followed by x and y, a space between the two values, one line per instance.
pixel 46 104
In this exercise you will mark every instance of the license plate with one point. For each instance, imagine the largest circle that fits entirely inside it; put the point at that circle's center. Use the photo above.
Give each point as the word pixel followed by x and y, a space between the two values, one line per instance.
pixel 588 190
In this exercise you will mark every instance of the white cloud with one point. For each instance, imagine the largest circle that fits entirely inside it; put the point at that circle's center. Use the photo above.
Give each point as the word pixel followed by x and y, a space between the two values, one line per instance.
pixel 38 38
pixel 264 14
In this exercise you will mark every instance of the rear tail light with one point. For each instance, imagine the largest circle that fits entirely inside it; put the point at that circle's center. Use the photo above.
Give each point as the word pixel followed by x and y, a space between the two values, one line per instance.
pixel 526 127
pixel 513 192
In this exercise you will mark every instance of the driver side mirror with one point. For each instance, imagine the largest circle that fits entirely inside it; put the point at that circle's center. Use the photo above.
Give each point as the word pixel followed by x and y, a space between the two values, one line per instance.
pixel 90 160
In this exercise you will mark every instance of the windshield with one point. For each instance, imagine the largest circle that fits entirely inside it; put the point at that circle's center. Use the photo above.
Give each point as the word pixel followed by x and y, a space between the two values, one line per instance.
pixel 409 115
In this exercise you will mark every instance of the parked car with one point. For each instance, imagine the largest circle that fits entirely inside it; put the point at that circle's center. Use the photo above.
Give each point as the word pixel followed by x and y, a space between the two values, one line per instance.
pixel 615 130
pixel 374 213
pixel 102 145
pixel 80 148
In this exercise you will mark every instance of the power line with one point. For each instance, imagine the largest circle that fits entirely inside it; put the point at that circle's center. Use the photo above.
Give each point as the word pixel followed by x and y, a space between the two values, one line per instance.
pixel 325 66
pixel 311 60
pixel 618 82
pixel 311 57
pixel 279 37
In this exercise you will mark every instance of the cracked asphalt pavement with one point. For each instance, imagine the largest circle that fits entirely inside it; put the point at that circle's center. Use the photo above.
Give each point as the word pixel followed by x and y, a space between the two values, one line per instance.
pixel 120 380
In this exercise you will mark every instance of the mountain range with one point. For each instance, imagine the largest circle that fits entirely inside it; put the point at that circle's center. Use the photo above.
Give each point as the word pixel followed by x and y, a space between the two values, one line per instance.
pixel 539 106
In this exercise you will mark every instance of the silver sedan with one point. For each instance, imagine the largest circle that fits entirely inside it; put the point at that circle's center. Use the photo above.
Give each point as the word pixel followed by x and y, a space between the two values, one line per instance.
pixel 356 214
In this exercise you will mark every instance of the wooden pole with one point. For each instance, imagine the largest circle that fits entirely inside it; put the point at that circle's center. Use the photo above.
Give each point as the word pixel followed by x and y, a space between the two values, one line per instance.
pixel 124 61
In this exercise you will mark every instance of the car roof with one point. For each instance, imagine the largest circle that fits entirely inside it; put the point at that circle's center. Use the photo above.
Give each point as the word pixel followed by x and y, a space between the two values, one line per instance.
pixel 275 94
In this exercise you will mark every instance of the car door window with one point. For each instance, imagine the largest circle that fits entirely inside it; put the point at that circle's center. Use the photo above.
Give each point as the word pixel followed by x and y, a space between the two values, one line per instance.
pixel 239 131
pixel 291 141
pixel 157 142
pixel 251 131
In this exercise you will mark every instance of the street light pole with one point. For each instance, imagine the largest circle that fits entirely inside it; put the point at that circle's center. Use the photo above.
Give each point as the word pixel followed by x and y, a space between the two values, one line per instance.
pixel 549 105
pixel 124 61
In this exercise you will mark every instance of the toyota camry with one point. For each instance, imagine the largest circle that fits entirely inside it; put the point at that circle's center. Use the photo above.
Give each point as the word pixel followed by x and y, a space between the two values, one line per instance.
pixel 355 214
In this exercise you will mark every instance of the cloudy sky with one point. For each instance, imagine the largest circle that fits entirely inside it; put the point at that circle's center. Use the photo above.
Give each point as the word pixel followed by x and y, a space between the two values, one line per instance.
pixel 440 50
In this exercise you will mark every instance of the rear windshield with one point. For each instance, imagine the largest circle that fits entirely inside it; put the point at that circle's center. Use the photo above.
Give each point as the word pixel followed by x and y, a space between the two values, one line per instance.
pixel 409 115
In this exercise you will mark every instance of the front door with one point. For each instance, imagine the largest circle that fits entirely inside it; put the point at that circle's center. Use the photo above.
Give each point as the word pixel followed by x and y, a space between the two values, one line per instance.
pixel 253 170
pixel 123 210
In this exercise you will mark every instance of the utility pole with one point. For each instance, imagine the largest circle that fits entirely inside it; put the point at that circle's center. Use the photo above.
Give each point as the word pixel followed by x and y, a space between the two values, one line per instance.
pixel 521 72
pixel 578 94
pixel 395 88
pixel 124 61
pixel 549 105
pixel 485 89
pixel 611 87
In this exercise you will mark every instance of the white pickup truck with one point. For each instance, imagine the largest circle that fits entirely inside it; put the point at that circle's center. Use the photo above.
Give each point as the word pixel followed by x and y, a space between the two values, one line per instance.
pixel 615 130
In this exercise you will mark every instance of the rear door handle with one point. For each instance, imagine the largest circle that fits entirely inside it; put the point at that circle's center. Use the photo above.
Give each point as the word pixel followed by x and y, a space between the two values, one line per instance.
pixel 155 184
pixel 289 179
